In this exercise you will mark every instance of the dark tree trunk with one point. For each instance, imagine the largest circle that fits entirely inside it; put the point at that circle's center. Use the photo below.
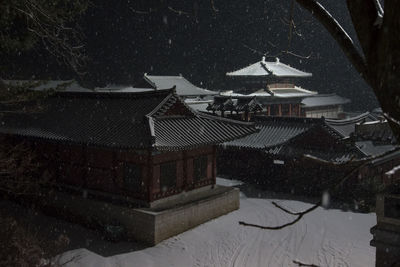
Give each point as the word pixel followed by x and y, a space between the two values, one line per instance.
pixel 379 34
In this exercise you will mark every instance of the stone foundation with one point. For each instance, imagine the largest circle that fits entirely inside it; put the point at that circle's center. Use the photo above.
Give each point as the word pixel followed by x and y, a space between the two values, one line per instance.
pixel 148 225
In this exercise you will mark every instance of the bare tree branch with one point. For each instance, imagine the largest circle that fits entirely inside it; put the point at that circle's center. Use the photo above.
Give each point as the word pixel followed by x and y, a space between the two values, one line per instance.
pixel 338 33
pixel 304 264
pixel 364 14
pixel 299 216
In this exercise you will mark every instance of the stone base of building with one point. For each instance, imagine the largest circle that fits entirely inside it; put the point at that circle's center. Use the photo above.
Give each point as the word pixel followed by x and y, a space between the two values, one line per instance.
pixel 387 243
pixel 149 225
pixel 387 231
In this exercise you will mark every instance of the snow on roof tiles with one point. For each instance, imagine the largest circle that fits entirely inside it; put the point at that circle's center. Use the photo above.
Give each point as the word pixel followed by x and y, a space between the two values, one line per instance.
pixel 324 100
pixel 266 68
pixel 183 86
pixel 347 126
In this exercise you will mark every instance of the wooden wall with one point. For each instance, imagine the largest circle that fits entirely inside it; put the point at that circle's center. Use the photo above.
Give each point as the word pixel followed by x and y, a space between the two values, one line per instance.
pixel 103 169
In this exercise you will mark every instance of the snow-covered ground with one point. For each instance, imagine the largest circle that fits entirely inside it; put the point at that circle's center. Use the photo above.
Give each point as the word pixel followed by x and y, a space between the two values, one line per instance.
pixel 323 238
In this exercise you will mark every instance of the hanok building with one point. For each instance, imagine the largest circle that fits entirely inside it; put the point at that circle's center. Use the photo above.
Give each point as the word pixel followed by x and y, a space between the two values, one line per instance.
pixel 273 84
pixel 307 153
pixel 147 150
pixel 274 156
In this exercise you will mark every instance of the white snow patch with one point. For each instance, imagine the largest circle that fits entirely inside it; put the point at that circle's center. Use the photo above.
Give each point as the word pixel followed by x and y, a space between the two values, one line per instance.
pixel 325 237
pixel 228 182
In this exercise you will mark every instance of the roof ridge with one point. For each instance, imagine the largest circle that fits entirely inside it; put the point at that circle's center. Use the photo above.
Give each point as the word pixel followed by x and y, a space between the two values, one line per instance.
pixel 207 116
pixel 348 120
pixel 110 94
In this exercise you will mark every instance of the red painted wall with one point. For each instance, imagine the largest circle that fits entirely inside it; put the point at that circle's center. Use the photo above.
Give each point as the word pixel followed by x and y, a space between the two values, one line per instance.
pixel 103 169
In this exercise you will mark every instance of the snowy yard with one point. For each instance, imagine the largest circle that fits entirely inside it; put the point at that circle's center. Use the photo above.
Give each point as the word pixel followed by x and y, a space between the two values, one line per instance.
pixel 324 238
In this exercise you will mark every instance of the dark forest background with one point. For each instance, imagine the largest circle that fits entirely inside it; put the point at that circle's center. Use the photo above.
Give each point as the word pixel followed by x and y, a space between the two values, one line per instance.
pixel 125 39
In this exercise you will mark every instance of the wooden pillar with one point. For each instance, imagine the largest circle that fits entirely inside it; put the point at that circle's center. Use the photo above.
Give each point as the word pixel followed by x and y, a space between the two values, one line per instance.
pixel 185 170
pixel 149 180
pixel 214 165
pixel 180 175
pixel 269 110
pixel 189 172
pixel 280 110
pixel 290 110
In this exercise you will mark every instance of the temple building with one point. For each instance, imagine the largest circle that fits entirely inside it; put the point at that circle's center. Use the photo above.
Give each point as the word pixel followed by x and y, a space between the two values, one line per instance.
pixel 147 151
pixel 272 86
pixel 262 73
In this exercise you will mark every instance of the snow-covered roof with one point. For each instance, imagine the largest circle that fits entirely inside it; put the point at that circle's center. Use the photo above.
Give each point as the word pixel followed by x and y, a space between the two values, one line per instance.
pixel 347 126
pixel 74 86
pixel 183 86
pixel 292 92
pixel 324 100
pixel 39 85
pixel 199 105
pixel 230 93
pixel 273 131
pixel 122 89
pixel 260 93
pixel 369 148
pixel 267 68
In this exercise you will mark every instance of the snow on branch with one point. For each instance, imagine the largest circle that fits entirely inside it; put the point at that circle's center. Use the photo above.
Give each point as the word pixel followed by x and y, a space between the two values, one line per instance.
pixel 337 32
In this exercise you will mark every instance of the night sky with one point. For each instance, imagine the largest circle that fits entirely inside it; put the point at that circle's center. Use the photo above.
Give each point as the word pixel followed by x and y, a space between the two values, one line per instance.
pixel 124 40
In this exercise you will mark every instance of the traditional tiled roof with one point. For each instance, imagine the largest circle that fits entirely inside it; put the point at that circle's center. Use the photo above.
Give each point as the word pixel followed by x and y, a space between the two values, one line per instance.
pixel 73 86
pixel 240 104
pixel 274 131
pixel 371 137
pixel 266 68
pixel 347 126
pixel 183 86
pixel 221 104
pixel 187 132
pixel 158 119
pixel 248 104
pixel 324 100
pixel 369 148
pixel 292 92
pixel 335 156
pixel 394 154
pixel 279 136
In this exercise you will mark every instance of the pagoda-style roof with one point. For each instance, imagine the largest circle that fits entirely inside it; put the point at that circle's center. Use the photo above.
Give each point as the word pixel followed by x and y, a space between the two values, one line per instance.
pixel 183 86
pixel 157 120
pixel 266 68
